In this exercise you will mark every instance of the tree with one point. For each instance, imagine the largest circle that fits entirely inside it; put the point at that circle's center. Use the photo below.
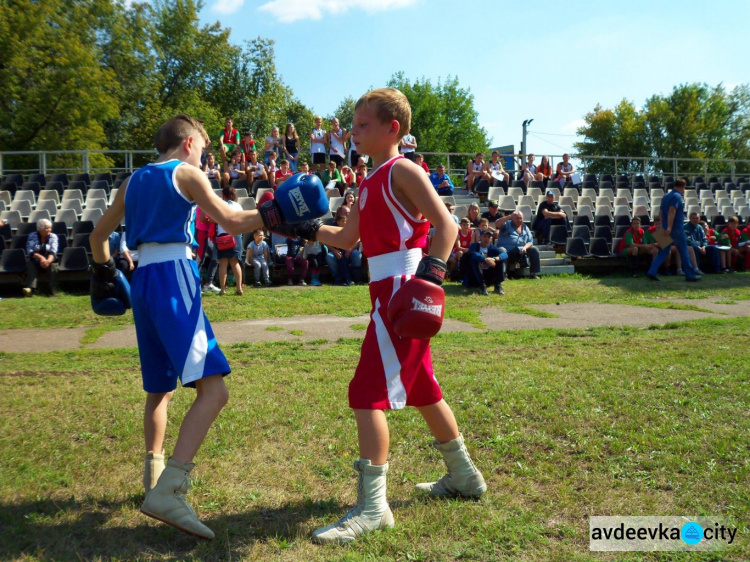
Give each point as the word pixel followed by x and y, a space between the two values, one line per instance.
pixel 443 115
pixel 694 122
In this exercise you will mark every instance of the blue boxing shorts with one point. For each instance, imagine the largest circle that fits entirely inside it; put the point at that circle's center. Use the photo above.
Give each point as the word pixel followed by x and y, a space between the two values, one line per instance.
pixel 175 339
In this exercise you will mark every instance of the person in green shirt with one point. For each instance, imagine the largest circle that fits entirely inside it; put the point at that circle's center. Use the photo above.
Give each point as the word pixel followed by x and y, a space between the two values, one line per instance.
pixel 331 174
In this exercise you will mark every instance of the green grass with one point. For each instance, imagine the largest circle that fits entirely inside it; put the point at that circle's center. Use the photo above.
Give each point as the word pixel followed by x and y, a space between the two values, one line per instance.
pixel 71 310
pixel 564 424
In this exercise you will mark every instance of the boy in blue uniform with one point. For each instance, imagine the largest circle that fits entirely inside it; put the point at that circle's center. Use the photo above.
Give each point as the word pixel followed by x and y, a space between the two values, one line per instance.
pixel 175 340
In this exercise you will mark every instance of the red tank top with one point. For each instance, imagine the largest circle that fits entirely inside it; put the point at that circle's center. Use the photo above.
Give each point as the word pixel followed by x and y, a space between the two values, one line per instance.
pixel 384 225
pixel 464 241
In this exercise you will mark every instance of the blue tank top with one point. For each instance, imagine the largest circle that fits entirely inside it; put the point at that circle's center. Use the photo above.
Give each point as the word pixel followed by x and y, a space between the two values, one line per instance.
pixel 155 209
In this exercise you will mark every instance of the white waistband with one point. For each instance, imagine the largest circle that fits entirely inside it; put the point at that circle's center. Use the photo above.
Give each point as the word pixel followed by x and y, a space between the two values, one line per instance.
pixel 156 253
pixel 393 264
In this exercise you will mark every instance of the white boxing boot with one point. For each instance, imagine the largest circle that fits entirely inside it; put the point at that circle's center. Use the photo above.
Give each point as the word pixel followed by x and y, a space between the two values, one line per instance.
pixel 371 513
pixel 152 469
pixel 166 502
pixel 463 478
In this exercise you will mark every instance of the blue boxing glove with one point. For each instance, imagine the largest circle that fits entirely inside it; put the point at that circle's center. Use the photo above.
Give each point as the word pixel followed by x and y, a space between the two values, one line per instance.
pixel 110 291
pixel 300 198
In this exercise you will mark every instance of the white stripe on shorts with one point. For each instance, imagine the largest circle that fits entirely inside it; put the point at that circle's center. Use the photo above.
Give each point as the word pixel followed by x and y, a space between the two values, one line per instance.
pixel 196 357
pixel 391 364
pixel 179 273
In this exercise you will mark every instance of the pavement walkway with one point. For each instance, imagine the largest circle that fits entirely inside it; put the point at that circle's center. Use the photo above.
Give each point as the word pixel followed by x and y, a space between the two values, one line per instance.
pixel 331 328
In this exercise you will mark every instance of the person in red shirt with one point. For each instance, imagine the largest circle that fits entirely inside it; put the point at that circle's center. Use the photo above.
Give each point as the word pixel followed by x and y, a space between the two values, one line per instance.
pixel 419 160
pixel 347 175
pixel 634 244
pixel 229 138
pixel 247 144
pixel 730 236
pixel 282 174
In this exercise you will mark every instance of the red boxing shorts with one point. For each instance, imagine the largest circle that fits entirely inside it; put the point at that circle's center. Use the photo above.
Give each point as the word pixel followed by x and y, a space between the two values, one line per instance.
pixel 393 372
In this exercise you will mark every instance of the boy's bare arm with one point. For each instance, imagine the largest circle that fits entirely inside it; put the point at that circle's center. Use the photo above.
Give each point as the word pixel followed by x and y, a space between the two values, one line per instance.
pixel 196 187
pixel 339 237
pixel 414 191
pixel 99 238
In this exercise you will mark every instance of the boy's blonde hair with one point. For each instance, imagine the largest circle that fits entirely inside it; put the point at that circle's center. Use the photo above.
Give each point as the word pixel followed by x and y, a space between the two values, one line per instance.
pixel 175 130
pixel 388 104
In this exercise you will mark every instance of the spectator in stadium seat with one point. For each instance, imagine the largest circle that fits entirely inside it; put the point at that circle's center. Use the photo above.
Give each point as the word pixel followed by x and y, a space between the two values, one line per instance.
pixel 516 239
pixel 349 199
pixel 419 160
pixel 463 241
pixel 291 146
pixel 713 242
pixel 336 141
pixel 274 144
pixel 484 226
pixel 255 170
pixel 495 168
pixel 304 168
pixel 247 144
pixel 548 213
pixel 230 258
pixel 673 253
pixel 212 169
pixel 473 215
pixel 492 214
pixel 545 170
pixel 258 256
pixel 529 171
pixel 229 139
pixel 442 183
pixel 345 265
pixel 271 169
pixel 318 140
pixel 41 249
pixel 282 174
pixel 234 170
pixel 348 176
pixel 314 255
pixel 332 174
pixel 361 172
pixel 634 243
pixel 744 247
pixel 487 265
pixel 475 171
pixel 730 236
pixel 449 206
pixel 564 170
pixel 295 257
pixel 697 241
pixel 408 145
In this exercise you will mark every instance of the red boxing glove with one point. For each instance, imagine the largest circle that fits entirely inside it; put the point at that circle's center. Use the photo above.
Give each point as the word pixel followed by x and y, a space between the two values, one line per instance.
pixel 417 309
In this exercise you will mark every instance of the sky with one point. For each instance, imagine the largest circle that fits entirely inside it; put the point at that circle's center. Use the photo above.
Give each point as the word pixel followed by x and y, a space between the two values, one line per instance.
pixel 552 62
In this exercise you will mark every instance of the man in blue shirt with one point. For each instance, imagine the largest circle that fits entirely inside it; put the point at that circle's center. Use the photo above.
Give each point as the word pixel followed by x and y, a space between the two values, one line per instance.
pixel 441 182
pixel 515 237
pixel 673 218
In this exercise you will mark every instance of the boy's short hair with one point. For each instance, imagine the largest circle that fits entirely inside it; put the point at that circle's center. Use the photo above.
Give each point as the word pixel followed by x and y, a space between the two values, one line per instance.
pixel 173 131
pixel 465 221
pixel 680 183
pixel 733 219
pixel 257 230
pixel 389 104
pixel 283 161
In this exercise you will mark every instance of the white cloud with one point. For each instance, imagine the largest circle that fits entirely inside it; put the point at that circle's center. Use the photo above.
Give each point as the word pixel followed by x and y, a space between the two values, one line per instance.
pixel 573 126
pixel 227 7
pixel 287 11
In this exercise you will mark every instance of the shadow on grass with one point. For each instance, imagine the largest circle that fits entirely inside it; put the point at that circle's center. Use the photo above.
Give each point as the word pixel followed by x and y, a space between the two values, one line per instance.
pixel 672 284
pixel 84 529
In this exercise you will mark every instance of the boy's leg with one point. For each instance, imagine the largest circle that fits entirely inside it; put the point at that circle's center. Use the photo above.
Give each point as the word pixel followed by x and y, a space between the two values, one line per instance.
pixel 212 396
pixel 463 478
pixel 154 430
pixel 372 512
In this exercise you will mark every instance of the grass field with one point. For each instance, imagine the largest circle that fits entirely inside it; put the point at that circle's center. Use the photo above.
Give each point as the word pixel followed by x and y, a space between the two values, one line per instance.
pixel 564 424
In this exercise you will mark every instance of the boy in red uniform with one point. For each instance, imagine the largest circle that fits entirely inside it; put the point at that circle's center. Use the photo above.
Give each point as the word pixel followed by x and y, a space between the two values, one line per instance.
pixel 392 217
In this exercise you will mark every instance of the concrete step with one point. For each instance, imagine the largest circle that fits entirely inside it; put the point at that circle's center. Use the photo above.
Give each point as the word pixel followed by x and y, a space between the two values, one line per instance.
pixel 556 269
pixel 546 254
pixel 553 262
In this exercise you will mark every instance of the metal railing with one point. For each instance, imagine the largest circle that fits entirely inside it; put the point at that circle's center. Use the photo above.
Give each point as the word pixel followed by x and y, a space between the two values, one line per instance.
pixel 93 161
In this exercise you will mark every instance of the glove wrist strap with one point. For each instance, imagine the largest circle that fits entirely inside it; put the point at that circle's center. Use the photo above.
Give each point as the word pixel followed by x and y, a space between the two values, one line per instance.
pixel 271 214
pixel 432 269
pixel 104 271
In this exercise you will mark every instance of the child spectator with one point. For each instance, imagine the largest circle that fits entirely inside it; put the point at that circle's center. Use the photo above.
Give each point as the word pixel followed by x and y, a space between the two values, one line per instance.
pixel 271 169
pixel 257 255
pixel 419 161
pixel 207 256
pixel 294 256
pixel 463 241
pixel 229 257
pixel 347 176
pixel 314 256
pixel 730 237
pixel 484 226
pixel 273 145
pixel 282 174
pixel 332 177
pixel 229 139
pixel 234 169
pixel 361 173
pixel 634 243
pixel 304 168
pixel 247 144
pixel 212 169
